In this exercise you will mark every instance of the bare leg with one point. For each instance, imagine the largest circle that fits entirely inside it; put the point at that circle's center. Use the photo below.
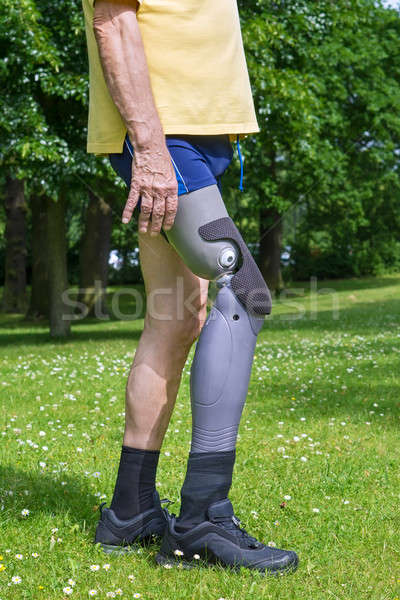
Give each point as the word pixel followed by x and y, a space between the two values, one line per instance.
pixel 176 311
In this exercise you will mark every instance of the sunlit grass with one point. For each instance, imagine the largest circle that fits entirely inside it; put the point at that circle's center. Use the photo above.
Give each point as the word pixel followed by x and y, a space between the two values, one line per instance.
pixel 317 465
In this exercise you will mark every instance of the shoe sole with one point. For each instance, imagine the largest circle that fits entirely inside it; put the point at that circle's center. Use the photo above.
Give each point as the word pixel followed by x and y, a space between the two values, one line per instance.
pixel 108 549
pixel 172 562
pixel 130 548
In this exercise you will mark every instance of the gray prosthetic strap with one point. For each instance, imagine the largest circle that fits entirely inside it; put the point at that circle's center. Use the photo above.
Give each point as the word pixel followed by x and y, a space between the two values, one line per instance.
pixel 224 352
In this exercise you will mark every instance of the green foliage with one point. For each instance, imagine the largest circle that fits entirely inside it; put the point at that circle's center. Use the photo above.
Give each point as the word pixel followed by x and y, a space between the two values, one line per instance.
pixel 26 54
pixel 44 97
pixel 326 84
pixel 325 80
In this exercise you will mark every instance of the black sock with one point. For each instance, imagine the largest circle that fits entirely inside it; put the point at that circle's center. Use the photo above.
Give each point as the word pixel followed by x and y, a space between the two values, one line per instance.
pixel 208 479
pixel 136 482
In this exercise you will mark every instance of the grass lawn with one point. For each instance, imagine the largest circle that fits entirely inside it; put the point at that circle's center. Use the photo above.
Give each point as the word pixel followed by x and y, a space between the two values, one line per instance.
pixel 320 433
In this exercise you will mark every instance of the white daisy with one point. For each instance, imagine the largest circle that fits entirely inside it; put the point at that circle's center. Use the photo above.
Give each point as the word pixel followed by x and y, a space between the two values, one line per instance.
pixel 68 590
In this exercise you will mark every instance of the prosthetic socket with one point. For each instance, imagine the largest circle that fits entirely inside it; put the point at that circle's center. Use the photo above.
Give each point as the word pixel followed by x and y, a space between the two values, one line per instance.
pixel 211 246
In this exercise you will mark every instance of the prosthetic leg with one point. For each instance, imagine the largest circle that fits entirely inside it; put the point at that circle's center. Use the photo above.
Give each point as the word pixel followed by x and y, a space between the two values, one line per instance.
pixel 211 246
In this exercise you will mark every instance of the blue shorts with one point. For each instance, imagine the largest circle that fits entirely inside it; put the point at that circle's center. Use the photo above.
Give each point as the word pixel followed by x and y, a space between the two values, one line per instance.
pixel 198 160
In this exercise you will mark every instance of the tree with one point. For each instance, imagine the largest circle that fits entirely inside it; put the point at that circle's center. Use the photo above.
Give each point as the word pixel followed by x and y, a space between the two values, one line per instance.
pixel 360 220
pixel 57 267
pixel 30 150
pixel 325 79
pixel 43 114
pixel 39 301
pixel 95 249
pixel 14 296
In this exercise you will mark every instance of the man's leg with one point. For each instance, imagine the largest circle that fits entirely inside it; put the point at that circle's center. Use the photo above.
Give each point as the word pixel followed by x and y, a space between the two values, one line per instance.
pixel 169 330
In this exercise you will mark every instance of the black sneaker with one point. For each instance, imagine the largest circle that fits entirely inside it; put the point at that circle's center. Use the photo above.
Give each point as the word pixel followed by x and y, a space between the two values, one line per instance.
pixel 120 536
pixel 221 540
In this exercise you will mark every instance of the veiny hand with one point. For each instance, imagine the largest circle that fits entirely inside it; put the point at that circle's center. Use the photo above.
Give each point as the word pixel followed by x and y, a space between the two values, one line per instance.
pixel 154 180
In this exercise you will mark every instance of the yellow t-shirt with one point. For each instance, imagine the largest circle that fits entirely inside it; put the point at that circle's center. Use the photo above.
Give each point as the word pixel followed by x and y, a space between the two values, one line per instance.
pixel 197 69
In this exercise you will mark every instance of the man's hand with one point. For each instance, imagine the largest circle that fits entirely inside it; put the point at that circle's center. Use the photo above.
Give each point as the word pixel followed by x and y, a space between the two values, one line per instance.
pixel 154 180
pixel 125 69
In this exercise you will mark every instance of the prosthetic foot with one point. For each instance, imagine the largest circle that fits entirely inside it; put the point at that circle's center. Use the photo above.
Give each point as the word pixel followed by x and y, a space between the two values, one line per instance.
pixel 220 539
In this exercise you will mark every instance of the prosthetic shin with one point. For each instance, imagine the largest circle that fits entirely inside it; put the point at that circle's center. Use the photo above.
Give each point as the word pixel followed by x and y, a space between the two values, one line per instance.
pixel 210 244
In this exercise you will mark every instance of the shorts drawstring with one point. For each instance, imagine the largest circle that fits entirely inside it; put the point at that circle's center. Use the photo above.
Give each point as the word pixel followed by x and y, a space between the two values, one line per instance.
pixel 241 163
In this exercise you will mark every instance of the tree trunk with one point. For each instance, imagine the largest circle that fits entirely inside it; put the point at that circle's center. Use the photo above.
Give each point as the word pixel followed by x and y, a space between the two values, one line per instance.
pixel 95 249
pixel 60 313
pixel 39 304
pixel 14 297
pixel 270 248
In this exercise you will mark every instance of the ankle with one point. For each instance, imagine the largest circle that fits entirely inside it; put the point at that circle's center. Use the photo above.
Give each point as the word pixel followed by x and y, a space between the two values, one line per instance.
pixel 208 480
pixel 135 485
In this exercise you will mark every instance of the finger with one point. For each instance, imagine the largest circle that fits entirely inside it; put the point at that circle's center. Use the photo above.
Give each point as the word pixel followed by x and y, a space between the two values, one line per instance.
pixel 130 205
pixel 171 206
pixel 146 207
pixel 157 215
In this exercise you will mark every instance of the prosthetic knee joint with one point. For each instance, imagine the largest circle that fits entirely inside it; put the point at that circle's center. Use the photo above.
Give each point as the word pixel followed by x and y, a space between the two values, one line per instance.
pixel 236 267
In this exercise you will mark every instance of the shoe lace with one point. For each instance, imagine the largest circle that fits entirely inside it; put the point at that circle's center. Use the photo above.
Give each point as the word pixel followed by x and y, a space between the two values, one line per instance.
pixel 234 524
pixel 167 502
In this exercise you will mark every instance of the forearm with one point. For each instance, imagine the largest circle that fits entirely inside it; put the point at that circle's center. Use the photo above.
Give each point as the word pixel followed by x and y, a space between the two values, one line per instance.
pixel 125 70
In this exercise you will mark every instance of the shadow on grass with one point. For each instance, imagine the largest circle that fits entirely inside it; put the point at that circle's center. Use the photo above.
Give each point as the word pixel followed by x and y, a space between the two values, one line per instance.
pixel 368 317
pixel 363 316
pixel 43 338
pixel 352 284
pixel 48 496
